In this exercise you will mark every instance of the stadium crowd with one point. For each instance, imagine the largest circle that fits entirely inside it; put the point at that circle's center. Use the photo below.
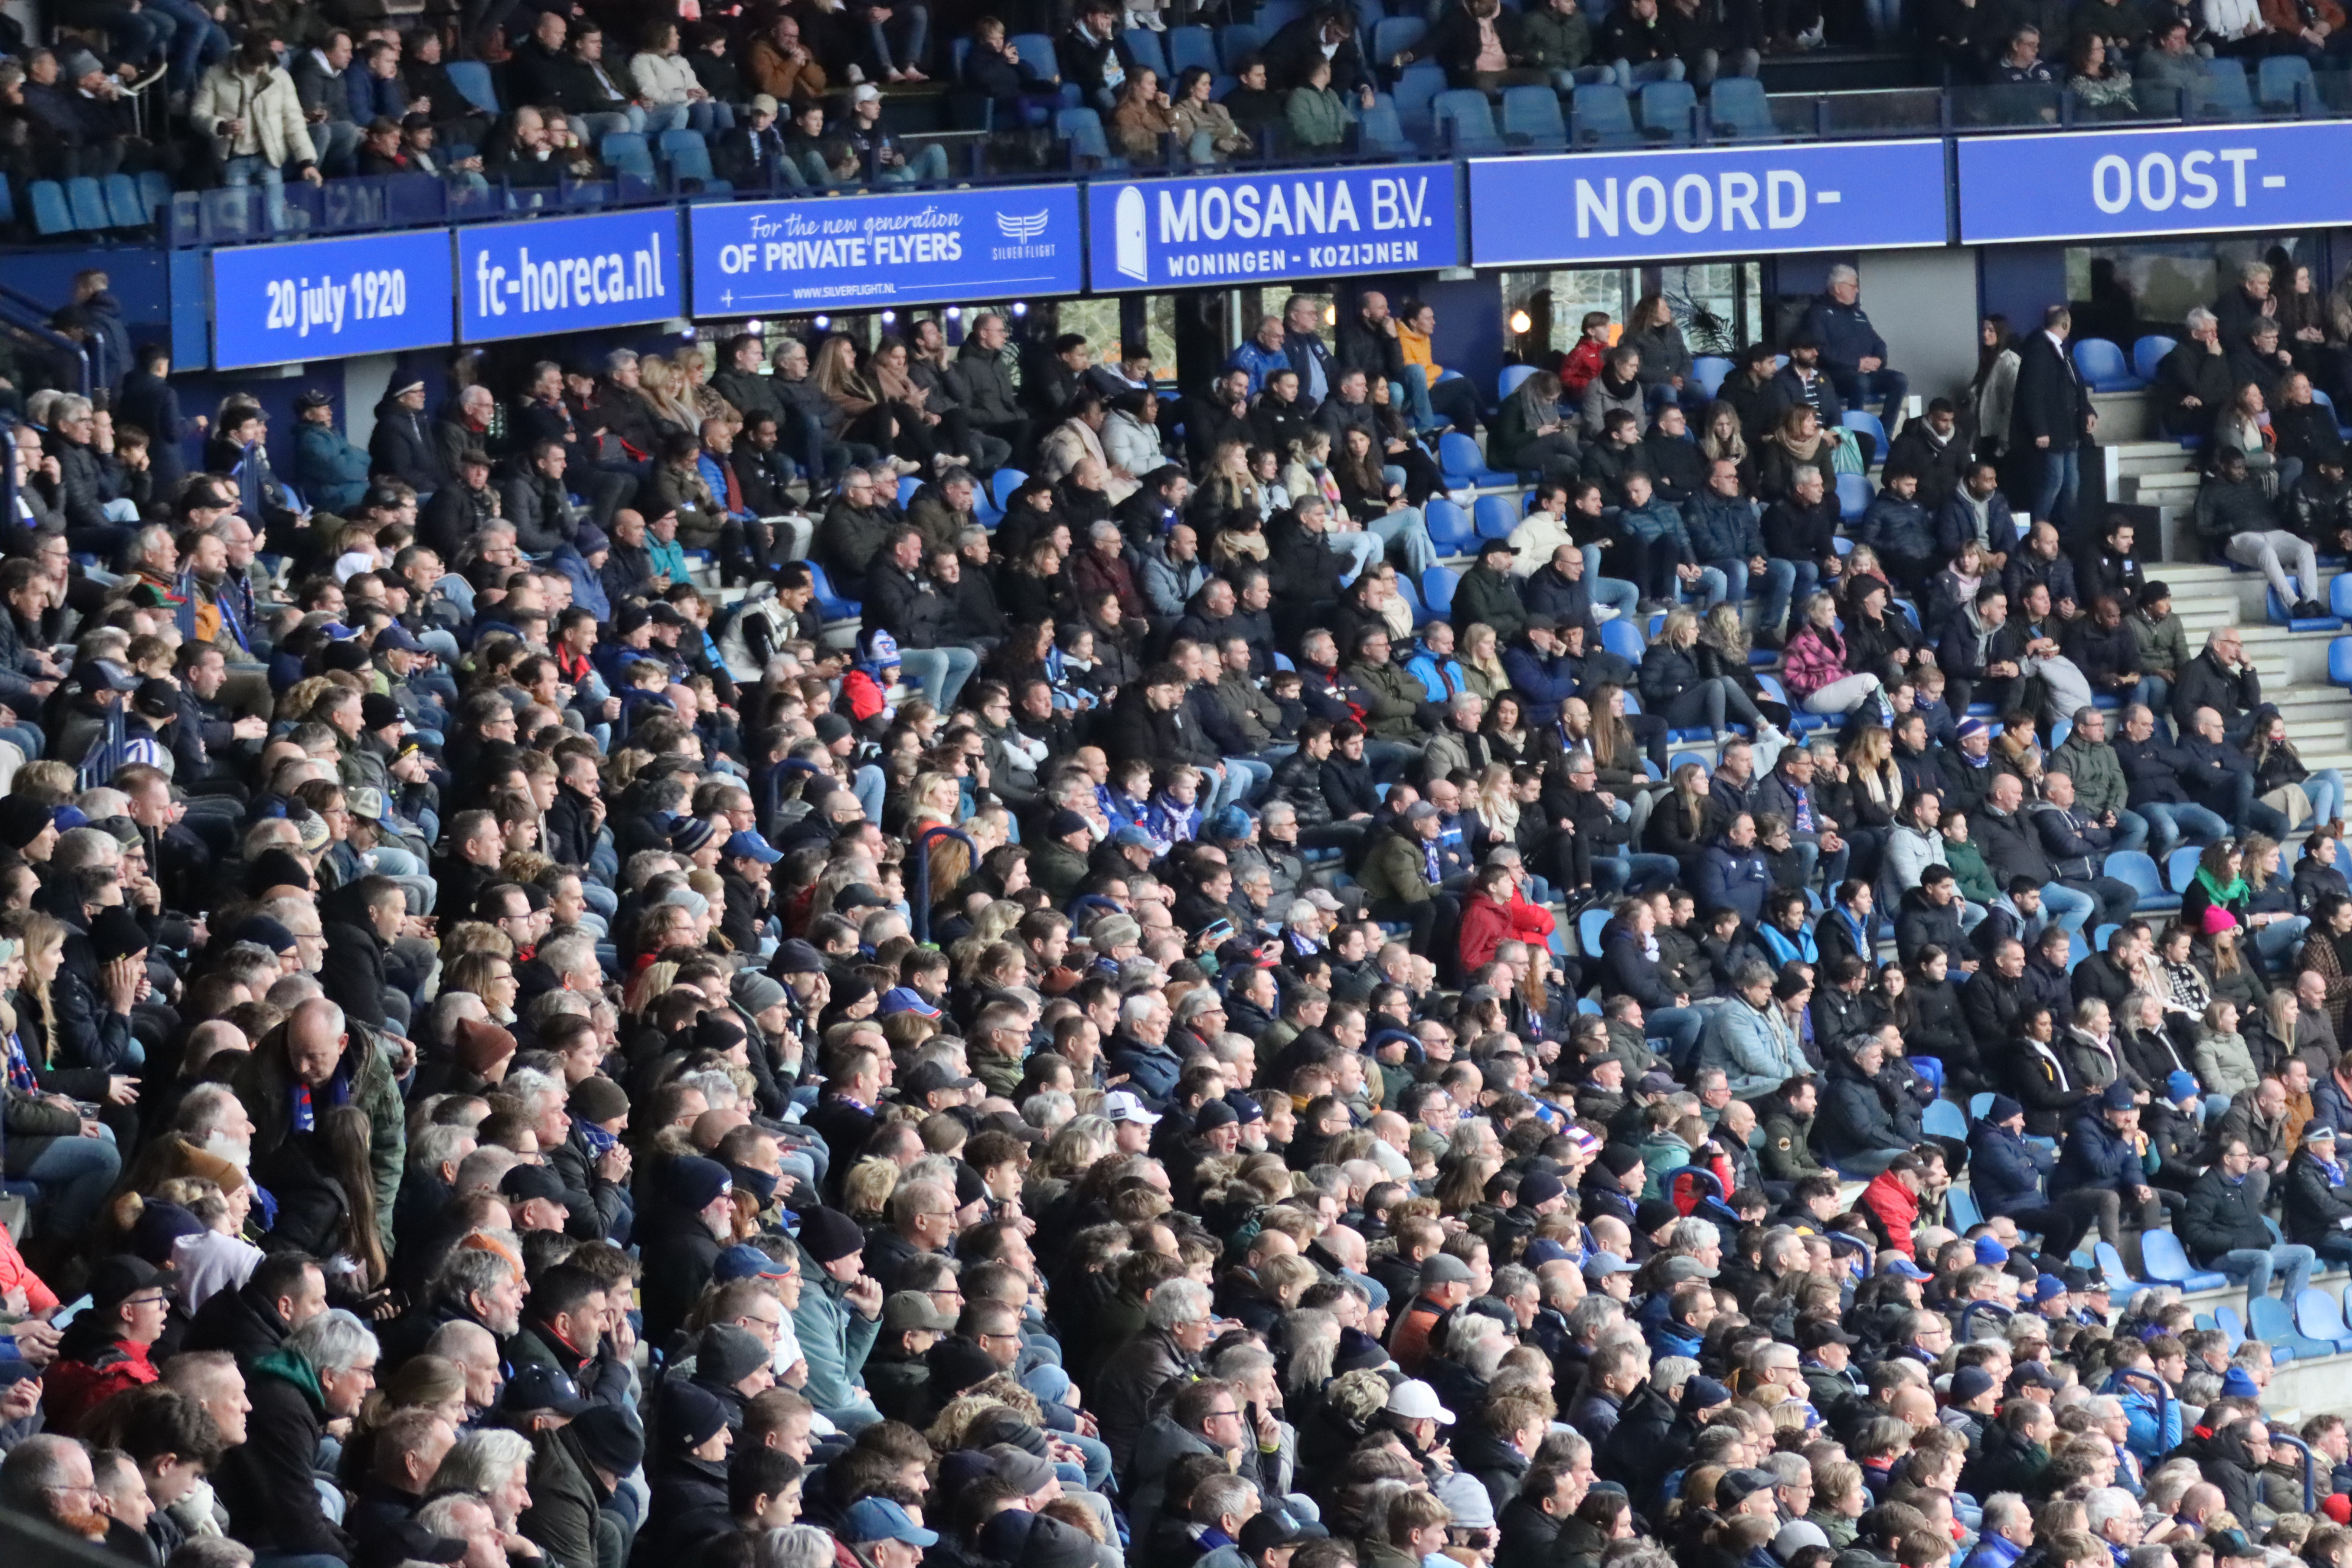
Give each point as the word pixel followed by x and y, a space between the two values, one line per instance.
pixel 517 1053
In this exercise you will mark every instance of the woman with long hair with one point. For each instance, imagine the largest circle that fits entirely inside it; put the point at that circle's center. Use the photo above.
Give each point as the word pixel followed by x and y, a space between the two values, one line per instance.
pixel 1228 497
pixel 933 441
pixel 2245 424
pixel 1678 824
pixel 1723 648
pixel 2220 879
pixel 2283 783
pixel 1993 388
pixel 1480 655
pixel 1873 794
pixel 71 1158
pixel 2270 902
pixel 1797 442
pixel 1673 688
pixel 868 421
pixel 2327 952
pixel 1815 668
pixel 1955 587
pixel 1665 372
pixel 1722 441
pixel 1505 729
pixel 1616 753
pixel 1377 501
pixel 1529 431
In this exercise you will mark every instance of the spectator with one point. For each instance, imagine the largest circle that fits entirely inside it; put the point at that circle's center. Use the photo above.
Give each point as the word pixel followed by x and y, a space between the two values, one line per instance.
pixel 325 94
pixel 1853 354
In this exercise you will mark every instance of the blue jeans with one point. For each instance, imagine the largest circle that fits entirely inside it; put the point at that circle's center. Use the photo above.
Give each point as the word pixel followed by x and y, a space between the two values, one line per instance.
pixel 74 1175
pixel 1244 780
pixel 2167 825
pixel 913 23
pixel 1857 387
pixel 1679 1027
pixel 869 786
pixel 1710 590
pixel 927 165
pixel 2255 1264
pixel 1780 581
pixel 1631 75
pixel 2326 791
pixel 1406 526
pixel 2131 830
pixel 2067 907
pixel 200 42
pixel 940 671
pixel 2061 476
pixel 1614 593
pixel 2155 693
pixel 1613 874
pixel 2277 940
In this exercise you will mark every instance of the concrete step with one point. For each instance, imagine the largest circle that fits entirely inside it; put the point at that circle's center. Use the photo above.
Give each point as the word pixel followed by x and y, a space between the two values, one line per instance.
pixel 2123 416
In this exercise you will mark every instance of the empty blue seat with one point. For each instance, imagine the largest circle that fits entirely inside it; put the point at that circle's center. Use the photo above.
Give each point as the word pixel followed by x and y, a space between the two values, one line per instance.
pixel 123 207
pixel 1458 459
pixel 1666 111
pixel 1379 129
pixel 1507 381
pixel 1624 638
pixel 1464 122
pixel 2181 865
pixel 1738 108
pixel 1081 129
pixel 2102 364
pixel 831 606
pixel 1602 116
pixel 2161 1254
pixel 1531 116
pixel 1854 496
pixel 1710 371
pixel 1423 80
pixel 154 192
pixel 1589 927
pixel 1437 590
pixel 2227 96
pixel 1495 515
pixel 1961 1203
pixel 625 153
pixel 1942 1118
pixel 1002 483
pixel 2271 1321
pixel 2319 1316
pixel 86 199
pixel 1870 424
pixel 1449 526
pixel 2339 651
pixel 1187 48
pixel 688 157
pixel 2149 352
pixel 2120 1283
pixel 2279 81
pixel 1396 35
pixel 1143 47
pixel 1235 40
pixel 472 78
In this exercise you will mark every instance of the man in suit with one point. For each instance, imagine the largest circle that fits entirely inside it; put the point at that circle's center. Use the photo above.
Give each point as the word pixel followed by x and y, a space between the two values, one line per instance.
pixel 2052 417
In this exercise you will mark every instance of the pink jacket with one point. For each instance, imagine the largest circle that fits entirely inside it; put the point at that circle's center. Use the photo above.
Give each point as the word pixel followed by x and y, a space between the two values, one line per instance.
pixel 1813 658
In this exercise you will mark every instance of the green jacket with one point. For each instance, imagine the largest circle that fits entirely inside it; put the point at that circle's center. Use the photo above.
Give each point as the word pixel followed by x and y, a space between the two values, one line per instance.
pixel 1485 594
pixel 262 1081
pixel 1968 869
pixel 562 1517
pixel 1396 698
pixel 1318 119
pixel 2098 776
pixel 1395 869
pixel 1787 1152
pixel 1550 41
pixel 2163 644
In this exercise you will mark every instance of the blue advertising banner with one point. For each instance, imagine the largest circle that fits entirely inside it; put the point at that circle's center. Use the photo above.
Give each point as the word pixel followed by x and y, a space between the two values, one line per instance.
pixel 1733 201
pixel 915 249
pixel 276 304
pixel 1234 228
pixel 568 274
pixel 2106 184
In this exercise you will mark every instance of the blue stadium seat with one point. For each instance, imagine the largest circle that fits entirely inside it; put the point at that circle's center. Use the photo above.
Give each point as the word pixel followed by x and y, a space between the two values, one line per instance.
pixel 1495 515
pixel 123 207
pixel 2320 1316
pixel 625 153
pixel 1143 46
pixel 1602 116
pixel 1739 109
pixel 1870 424
pixel 1589 927
pixel 2148 353
pixel 1961 1203
pixel 2227 96
pixel 1002 483
pixel 830 604
pixel 2271 1321
pixel 1081 129
pixel 908 485
pixel 2102 364
pixel 2179 866
pixel 1854 496
pixel 1423 80
pixel 1710 371
pixel 1464 122
pixel 1666 111
pixel 1235 40
pixel 1449 526
pixel 86 199
pixel 1437 590
pixel 2161 1254
pixel 2233 1327
pixel 1624 638
pixel 688 157
pixel 1942 1118
pixel 2120 1283
pixel 2279 81
pixel 1531 117
pixel 472 77
pixel 1276 15
pixel 1396 35
pixel 1379 129
pixel 1458 458
pixel 154 192
pixel 2339 651
pixel 1508 382
pixel 1187 46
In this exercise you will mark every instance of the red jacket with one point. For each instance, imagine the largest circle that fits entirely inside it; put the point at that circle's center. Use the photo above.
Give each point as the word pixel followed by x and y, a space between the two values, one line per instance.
pixel 1485 926
pixel 1896 1208
pixel 1579 365
pixel 1530 922
pixel 74 1388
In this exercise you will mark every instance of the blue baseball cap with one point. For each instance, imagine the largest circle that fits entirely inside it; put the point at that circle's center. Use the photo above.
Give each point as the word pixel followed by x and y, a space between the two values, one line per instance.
pixel 748 846
pixel 1904 1268
pixel 879 1519
pixel 744 1261
pixel 66 818
pixel 1131 838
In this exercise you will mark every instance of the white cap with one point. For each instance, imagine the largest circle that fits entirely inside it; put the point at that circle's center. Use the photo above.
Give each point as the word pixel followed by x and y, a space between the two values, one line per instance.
pixel 1121 1105
pixel 1416 1401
